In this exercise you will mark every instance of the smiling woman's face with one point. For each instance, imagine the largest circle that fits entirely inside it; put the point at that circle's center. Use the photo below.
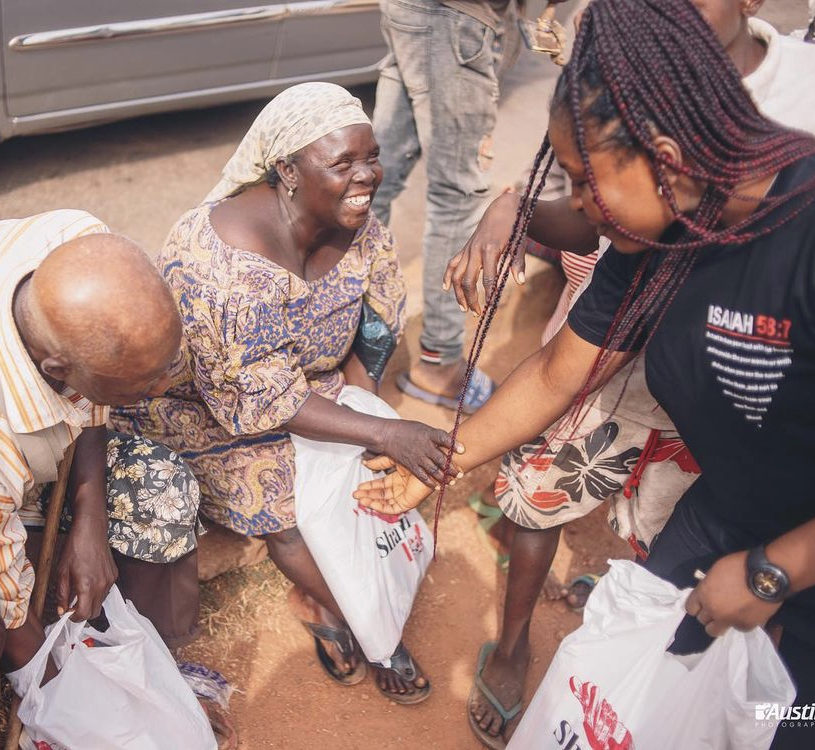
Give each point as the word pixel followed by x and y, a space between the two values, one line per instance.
pixel 337 177
pixel 625 180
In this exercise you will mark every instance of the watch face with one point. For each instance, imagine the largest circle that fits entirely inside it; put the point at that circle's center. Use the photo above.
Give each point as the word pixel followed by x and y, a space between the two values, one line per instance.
pixel 766 583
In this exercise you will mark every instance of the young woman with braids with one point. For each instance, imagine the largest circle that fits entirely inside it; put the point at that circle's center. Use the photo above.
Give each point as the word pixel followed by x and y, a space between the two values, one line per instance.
pixel 711 210
pixel 772 67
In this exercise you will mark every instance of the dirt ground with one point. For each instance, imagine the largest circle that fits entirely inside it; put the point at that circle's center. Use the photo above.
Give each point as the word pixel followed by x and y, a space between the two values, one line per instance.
pixel 139 176
pixel 286 701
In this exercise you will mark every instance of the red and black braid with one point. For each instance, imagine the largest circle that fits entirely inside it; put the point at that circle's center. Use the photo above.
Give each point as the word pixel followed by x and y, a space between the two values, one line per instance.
pixel 641 67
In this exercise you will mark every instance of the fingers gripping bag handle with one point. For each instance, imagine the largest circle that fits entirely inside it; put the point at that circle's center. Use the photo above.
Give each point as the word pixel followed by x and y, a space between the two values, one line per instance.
pixel 118 614
pixel 26 680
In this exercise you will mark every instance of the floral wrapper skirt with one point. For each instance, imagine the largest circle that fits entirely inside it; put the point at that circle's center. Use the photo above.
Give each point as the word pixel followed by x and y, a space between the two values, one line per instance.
pixel 152 499
pixel 642 472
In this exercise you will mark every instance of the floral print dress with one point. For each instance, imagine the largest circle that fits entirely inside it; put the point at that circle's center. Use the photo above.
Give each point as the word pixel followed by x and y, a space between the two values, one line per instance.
pixel 258 340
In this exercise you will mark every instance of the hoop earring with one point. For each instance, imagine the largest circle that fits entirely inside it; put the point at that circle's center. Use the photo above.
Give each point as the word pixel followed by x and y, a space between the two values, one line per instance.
pixel 291 193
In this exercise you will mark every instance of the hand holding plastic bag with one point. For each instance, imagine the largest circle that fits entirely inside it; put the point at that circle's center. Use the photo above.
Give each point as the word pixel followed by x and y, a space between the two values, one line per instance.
pixel 613 686
pixel 122 693
pixel 373 563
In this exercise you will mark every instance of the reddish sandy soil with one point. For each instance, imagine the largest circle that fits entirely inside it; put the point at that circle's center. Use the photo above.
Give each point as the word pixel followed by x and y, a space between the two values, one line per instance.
pixel 286 701
pixel 139 176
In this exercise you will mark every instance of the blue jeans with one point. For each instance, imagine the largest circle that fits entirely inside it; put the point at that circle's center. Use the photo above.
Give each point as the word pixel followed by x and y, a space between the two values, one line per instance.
pixel 438 95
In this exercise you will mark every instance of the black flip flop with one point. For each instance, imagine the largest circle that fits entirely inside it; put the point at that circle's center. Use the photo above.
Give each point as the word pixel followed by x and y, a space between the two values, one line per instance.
pixel 403 666
pixel 347 647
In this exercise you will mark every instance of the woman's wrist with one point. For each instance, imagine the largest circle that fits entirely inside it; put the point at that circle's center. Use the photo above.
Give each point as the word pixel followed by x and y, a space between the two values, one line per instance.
pixel 380 435
pixel 508 202
pixel 794 552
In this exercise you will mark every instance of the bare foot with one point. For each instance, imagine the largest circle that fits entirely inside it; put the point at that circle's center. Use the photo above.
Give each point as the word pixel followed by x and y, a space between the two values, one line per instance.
pixel 445 380
pixel 223 727
pixel 390 681
pixel 504 675
pixel 307 609
pixel 552 588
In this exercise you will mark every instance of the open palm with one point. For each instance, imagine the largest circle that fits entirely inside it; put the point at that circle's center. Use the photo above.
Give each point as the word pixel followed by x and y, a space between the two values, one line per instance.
pixel 395 493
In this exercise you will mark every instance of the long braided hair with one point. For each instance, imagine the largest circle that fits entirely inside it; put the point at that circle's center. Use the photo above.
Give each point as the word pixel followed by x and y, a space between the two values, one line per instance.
pixel 640 67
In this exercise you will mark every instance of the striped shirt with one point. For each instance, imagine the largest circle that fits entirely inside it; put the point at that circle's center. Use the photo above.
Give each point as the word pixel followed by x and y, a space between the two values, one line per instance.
pixel 37 424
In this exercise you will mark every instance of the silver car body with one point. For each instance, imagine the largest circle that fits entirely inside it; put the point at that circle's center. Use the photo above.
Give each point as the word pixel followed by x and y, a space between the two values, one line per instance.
pixel 69 63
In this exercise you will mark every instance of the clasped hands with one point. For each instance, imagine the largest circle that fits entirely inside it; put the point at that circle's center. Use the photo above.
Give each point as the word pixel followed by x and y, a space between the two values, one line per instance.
pixel 399 490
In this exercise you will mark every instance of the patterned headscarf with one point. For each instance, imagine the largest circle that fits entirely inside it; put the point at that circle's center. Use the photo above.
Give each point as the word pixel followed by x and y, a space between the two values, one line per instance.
pixel 294 118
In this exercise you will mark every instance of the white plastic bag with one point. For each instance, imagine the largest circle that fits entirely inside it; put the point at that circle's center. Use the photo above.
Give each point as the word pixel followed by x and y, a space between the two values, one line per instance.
pixel 124 693
pixel 373 564
pixel 613 686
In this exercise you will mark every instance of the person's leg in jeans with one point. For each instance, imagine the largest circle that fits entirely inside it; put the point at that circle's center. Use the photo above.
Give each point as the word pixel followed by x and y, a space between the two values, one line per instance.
pixel 463 109
pixel 443 63
pixel 393 121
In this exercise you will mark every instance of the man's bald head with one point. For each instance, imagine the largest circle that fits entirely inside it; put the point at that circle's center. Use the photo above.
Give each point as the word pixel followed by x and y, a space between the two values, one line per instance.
pixel 103 317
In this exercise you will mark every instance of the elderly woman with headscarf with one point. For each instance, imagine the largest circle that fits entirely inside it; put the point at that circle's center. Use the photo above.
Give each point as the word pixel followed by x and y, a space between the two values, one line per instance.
pixel 272 275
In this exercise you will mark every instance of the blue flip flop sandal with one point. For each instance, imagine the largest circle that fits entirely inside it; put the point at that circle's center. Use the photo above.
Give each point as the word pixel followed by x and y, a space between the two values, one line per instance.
pixel 479 686
pixel 587 579
pixel 480 389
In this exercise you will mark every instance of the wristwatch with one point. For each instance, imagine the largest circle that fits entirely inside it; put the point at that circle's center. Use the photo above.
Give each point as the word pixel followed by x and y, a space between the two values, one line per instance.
pixel 767 581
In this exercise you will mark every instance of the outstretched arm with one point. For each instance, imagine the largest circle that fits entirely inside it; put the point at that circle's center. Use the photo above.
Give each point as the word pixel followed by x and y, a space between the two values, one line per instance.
pixel 418 446
pixel 534 396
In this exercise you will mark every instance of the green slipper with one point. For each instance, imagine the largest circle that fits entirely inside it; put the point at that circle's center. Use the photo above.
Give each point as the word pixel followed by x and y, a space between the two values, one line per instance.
pixel 477 505
pixel 479 686
pixel 483 531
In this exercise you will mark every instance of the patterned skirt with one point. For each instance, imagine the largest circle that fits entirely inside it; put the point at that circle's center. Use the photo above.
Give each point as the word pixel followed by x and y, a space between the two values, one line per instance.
pixel 152 499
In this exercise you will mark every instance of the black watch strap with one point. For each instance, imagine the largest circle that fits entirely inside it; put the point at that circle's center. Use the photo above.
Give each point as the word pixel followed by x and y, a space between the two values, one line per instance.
pixel 767 581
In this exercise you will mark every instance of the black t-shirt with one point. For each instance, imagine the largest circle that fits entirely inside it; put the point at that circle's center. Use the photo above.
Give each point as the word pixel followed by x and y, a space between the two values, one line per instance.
pixel 733 364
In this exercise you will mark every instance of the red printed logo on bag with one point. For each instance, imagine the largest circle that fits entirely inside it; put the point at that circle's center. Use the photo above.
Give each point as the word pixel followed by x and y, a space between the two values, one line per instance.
pixel 601 725
pixel 402 535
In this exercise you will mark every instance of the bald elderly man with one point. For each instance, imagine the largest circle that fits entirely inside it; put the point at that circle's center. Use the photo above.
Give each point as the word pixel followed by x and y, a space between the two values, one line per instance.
pixel 86 321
